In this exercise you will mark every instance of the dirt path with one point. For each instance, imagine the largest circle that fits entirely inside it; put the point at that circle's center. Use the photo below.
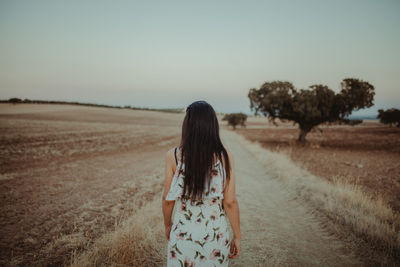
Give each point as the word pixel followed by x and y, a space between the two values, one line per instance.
pixel 275 229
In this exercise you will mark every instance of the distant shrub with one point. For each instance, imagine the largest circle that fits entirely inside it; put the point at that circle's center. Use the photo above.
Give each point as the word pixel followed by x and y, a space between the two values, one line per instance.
pixel 351 122
pixel 14 100
pixel 389 116
pixel 235 119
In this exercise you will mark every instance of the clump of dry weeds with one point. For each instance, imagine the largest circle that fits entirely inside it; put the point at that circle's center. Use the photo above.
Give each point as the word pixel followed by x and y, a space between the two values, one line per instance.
pixel 138 241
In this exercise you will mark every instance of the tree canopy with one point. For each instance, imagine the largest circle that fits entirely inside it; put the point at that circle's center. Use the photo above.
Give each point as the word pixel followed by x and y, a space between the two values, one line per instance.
pixel 313 106
pixel 389 116
pixel 235 119
pixel 14 100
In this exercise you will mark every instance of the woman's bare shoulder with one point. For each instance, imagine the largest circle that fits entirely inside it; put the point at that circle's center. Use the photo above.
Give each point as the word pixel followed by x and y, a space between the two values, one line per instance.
pixel 230 156
pixel 170 153
pixel 171 150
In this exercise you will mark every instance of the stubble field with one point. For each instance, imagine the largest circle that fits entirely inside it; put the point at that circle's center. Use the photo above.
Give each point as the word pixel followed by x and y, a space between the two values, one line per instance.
pixel 81 186
pixel 367 155
pixel 70 174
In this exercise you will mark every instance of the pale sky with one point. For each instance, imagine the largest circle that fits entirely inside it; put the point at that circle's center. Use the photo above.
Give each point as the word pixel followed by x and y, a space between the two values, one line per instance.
pixel 170 53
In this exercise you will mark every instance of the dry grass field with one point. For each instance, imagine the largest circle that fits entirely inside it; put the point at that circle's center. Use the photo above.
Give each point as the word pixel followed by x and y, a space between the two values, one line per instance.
pixel 365 224
pixel 82 186
pixel 70 174
pixel 367 154
pixel 361 167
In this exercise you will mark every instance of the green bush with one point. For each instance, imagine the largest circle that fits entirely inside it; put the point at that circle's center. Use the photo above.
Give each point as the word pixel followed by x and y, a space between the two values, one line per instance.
pixel 235 119
pixel 389 116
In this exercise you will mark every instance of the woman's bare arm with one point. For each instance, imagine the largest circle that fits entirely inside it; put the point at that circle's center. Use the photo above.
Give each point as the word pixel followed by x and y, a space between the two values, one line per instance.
pixel 230 202
pixel 168 205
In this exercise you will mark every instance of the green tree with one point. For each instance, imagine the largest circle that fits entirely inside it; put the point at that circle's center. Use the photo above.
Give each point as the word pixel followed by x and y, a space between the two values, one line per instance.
pixel 235 119
pixel 310 107
pixel 389 116
pixel 14 100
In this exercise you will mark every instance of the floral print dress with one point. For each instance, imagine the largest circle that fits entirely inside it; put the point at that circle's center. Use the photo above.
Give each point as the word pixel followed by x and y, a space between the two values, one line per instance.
pixel 199 235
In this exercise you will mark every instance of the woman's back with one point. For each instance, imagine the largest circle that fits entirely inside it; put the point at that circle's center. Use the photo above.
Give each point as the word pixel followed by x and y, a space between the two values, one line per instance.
pixel 200 198
pixel 217 183
pixel 199 233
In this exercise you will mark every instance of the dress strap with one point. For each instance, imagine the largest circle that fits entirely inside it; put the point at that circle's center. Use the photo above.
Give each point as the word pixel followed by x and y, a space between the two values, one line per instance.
pixel 175 156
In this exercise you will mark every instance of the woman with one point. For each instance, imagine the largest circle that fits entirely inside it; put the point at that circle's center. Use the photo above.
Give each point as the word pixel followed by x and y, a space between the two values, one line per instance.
pixel 200 184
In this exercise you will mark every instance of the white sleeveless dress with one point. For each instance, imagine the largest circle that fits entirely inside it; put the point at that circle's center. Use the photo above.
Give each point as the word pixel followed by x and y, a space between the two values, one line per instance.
pixel 199 235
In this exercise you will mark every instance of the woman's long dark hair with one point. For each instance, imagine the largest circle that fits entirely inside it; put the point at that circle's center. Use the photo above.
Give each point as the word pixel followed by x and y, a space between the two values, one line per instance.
pixel 199 143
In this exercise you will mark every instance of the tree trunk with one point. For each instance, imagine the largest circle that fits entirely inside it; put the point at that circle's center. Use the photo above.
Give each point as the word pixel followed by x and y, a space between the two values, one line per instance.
pixel 302 135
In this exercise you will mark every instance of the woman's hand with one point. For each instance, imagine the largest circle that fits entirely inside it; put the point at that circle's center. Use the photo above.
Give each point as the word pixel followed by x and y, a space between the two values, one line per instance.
pixel 167 231
pixel 235 248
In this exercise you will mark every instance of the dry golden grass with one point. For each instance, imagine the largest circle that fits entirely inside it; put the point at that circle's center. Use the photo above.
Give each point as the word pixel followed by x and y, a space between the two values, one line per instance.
pixel 87 179
pixel 367 155
pixel 68 175
pixel 138 241
pixel 346 204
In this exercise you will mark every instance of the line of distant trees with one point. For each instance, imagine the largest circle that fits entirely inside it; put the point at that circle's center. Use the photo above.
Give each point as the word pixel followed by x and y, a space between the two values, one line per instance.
pixel 318 100
pixel 16 100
